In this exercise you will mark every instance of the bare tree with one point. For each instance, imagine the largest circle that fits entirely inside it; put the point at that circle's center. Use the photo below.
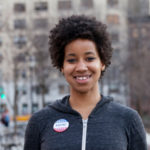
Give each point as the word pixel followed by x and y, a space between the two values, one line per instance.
pixel 138 65
pixel 42 68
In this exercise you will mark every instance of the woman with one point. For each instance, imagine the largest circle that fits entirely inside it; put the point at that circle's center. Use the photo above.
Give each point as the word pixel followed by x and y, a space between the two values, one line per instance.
pixel 85 119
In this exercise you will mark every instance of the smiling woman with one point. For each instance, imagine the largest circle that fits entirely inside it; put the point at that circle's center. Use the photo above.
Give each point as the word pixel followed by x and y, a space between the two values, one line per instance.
pixel 82 66
pixel 84 119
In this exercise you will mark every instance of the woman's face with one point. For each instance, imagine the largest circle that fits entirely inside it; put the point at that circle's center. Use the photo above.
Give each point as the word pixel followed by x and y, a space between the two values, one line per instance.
pixel 82 65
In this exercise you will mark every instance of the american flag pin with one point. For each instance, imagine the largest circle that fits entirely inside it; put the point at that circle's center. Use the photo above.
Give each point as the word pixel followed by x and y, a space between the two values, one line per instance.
pixel 61 125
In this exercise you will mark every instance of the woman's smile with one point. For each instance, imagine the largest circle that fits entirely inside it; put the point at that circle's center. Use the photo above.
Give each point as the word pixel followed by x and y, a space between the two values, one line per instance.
pixel 82 79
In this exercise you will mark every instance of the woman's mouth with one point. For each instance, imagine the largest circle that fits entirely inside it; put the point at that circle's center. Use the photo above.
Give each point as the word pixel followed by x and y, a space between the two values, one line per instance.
pixel 82 79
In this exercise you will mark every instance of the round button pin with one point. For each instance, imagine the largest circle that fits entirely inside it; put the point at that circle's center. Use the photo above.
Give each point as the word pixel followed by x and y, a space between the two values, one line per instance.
pixel 61 125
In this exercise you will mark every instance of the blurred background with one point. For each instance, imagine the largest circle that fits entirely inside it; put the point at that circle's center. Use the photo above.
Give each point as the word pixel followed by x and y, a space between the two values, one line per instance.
pixel 28 82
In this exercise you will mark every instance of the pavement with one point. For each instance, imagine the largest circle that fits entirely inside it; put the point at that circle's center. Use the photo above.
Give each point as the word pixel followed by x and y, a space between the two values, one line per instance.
pixel 148 140
pixel 9 140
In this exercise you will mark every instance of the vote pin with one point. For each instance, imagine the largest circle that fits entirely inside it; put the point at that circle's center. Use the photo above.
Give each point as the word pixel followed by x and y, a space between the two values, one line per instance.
pixel 61 125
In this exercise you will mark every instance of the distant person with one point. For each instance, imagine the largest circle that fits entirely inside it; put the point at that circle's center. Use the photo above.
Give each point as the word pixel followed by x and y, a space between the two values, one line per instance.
pixel 5 119
pixel 85 119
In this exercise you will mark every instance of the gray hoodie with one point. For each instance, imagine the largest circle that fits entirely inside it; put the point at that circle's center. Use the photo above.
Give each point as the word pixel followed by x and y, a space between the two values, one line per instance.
pixel 110 126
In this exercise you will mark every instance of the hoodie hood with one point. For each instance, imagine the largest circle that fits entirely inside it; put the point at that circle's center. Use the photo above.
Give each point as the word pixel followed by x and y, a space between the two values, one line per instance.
pixel 63 105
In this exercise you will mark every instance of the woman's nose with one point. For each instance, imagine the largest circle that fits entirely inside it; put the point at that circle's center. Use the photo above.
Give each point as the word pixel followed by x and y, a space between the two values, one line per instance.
pixel 81 66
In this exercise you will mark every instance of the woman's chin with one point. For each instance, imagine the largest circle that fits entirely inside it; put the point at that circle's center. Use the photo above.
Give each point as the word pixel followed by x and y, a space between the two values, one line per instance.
pixel 82 90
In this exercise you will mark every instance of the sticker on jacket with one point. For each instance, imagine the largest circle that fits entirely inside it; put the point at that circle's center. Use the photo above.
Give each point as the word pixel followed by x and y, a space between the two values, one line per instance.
pixel 61 125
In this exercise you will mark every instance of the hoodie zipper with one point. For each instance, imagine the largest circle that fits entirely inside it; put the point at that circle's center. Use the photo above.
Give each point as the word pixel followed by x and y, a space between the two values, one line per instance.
pixel 84 131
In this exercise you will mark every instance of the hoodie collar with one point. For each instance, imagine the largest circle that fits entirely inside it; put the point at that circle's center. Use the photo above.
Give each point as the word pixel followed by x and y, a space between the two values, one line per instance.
pixel 63 105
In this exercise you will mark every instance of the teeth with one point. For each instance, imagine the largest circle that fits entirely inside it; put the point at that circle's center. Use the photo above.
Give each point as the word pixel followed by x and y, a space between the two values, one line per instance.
pixel 82 78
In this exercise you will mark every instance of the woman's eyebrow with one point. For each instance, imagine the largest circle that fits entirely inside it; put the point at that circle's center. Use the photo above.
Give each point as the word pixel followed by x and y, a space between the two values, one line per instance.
pixel 89 53
pixel 71 54
pixel 86 53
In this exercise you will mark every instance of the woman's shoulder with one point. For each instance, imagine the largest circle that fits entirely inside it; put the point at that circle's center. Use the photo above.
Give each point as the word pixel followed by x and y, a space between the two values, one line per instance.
pixel 123 110
pixel 43 113
pixel 38 116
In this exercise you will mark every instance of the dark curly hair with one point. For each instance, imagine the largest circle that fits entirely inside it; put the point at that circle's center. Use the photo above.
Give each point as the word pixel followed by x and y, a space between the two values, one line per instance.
pixel 83 27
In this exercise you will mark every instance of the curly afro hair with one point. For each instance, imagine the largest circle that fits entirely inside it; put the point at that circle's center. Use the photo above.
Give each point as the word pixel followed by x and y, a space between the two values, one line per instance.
pixel 83 27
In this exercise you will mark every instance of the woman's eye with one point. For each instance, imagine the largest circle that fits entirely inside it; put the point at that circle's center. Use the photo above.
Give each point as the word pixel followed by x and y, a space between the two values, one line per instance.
pixel 71 60
pixel 90 58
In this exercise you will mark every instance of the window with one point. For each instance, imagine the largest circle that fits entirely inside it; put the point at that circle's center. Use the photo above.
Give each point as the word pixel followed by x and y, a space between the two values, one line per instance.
pixel 2 107
pixel 21 57
pixel 116 54
pixel 87 3
pixel 38 89
pixel 32 58
pixel 40 41
pixel 24 109
pixel 112 2
pixel 144 31
pixel 19 24
pixel 24 92
pixel 1 24
pixel 149 6
pixel 1 58
pixel 41 23
pixel 135 33
pixel 0 41
pixel 64 4
pixel 114 88
pixel 114 37
pixel 41 6
pixel 113 19
pixel 0 10
pixel 19 7
pixel 34 107
pixel 24 75
pixel 20 41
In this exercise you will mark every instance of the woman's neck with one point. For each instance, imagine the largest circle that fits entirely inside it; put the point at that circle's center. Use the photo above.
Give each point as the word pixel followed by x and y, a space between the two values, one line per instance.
pixel 84 103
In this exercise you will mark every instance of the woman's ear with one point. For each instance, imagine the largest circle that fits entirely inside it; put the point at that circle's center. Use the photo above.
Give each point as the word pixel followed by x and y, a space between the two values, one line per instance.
pixel 103 67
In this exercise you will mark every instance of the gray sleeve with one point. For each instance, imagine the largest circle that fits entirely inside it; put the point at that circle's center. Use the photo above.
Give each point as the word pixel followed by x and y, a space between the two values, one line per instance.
pixel 32 136
pixel 137 138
